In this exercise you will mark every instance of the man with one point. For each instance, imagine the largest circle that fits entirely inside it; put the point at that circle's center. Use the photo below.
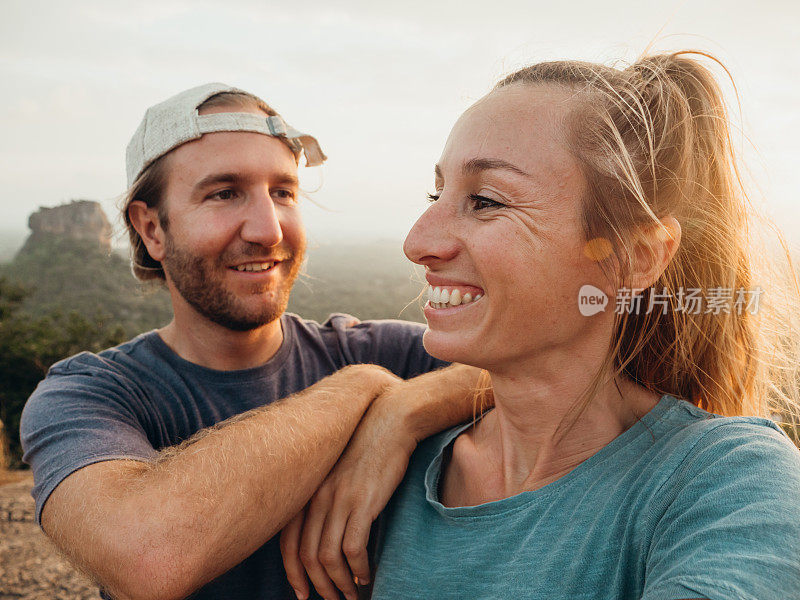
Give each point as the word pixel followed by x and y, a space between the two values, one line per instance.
pixel 136 478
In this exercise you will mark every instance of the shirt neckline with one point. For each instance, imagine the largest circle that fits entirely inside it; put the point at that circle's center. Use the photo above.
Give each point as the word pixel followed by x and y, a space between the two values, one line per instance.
pixel 518 501
pixel 274 364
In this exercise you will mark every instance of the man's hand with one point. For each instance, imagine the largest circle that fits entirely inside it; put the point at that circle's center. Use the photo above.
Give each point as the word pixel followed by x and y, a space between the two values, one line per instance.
pixel 328 540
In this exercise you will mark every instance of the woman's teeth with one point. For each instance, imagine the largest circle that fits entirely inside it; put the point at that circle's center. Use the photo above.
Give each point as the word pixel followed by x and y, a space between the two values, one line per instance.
pixel 440 297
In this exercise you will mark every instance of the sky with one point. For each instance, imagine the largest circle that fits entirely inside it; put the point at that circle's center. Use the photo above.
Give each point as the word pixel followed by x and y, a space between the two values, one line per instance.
pixel 380 84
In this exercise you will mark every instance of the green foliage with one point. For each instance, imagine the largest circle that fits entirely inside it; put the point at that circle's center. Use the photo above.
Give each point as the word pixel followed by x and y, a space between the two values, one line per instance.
pixel 11 297
pixel 28 346
pixel 64 275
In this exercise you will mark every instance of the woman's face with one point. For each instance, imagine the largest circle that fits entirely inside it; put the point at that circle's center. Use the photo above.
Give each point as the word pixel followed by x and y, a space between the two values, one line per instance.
pixel 504 227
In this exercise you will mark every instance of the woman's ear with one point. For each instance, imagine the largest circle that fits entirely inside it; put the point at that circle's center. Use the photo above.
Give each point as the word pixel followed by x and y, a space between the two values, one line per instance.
pixel 147 224
pixel 656 246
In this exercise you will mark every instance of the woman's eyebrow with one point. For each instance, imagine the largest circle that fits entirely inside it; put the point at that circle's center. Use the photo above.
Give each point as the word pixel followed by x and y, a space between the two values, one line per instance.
pixel 476 165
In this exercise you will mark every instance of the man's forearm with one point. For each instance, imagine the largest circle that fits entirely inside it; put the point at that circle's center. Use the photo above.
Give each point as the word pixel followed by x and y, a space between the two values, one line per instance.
pixel 338 520
pixel 442 399
pixel 207 504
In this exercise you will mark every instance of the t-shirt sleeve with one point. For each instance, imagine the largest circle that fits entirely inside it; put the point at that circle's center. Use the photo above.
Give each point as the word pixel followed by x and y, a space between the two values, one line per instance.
pixel 731 529
pixel 79 414
pixel 395 345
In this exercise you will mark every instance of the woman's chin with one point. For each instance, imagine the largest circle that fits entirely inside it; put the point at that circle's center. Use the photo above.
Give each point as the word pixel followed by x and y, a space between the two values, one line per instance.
pixel 450 347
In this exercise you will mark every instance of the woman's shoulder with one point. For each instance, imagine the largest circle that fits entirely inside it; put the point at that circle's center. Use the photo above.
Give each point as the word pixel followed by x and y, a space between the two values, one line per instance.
pixel 714 434
pixel 733 494
pixel 681 422
pixel 734 452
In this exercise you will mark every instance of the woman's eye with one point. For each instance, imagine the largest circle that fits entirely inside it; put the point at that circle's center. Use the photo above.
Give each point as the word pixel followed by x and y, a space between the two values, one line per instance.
pixel 482 202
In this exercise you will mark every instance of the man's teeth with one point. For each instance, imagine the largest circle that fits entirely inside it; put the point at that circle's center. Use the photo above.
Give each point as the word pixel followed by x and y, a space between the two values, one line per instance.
pixel 440 297
pixel 256 267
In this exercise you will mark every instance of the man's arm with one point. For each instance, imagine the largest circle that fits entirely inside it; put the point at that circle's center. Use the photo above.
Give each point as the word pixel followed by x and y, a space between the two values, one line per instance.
pixel 328 540
pixel 163 529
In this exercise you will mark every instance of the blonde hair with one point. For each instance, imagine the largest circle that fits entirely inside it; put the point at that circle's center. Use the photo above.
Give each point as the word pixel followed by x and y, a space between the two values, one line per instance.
pixel 150 186
pixel 653 139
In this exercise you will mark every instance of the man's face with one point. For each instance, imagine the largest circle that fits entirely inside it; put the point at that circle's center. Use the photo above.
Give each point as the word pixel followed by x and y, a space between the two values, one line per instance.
pixel 234 239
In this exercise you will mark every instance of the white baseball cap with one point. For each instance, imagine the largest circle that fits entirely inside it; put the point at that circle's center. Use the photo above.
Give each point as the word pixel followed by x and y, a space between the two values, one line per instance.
pixel 176 121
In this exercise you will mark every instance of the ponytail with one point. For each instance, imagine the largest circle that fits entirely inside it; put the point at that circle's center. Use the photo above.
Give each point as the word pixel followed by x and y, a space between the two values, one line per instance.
pixel 653 140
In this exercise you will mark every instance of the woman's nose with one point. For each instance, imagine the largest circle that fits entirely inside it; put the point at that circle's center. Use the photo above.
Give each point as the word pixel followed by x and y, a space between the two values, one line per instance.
pixel 262 223
pixel 432 239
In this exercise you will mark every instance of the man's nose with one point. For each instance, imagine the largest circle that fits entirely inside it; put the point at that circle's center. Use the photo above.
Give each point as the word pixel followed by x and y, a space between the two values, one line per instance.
pixel 432 239
pixel 262 223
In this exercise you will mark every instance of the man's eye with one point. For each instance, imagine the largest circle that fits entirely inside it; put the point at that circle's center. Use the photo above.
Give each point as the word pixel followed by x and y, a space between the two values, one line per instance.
pixel 227 194
pixel 286 195
pixel 482 202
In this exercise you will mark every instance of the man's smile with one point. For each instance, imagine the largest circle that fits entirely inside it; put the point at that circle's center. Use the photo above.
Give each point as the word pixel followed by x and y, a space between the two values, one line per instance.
pixel 255 267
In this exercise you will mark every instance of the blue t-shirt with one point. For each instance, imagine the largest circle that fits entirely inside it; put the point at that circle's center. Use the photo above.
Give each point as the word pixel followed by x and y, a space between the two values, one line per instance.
pixel 130 401
pixel 684 504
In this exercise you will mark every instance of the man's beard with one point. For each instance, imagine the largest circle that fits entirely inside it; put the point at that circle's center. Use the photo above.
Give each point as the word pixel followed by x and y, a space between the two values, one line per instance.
pixel 196 279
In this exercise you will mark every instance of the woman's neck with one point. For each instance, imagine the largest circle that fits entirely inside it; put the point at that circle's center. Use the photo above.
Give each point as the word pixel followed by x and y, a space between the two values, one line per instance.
pixel 523 444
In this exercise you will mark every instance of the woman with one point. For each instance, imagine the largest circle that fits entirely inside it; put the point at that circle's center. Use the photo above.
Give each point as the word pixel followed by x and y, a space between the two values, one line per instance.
pixel 587 246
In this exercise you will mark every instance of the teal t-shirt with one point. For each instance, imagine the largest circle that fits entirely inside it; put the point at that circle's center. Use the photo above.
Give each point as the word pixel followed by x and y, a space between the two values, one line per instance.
pixel 684 504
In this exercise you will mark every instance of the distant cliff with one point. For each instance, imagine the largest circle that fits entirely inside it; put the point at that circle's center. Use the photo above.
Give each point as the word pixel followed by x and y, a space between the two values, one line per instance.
pixel 80 220
pixel 67 265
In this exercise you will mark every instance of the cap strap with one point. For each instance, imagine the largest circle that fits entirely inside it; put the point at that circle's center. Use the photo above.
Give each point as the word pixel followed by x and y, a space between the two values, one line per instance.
pixel 273 126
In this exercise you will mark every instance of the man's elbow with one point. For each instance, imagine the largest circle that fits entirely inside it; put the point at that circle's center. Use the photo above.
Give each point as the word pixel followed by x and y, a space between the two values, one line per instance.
pixel 150 573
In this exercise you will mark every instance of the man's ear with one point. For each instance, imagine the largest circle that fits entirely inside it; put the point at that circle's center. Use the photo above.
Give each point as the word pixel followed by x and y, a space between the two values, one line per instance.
pixel 657 245
pixel 147 224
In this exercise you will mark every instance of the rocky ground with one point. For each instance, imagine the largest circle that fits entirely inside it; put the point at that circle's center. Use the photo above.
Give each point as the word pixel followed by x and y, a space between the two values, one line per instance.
pixel 30 566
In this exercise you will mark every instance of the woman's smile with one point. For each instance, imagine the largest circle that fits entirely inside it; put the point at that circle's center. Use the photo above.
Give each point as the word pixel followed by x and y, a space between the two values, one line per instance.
pixel 448 293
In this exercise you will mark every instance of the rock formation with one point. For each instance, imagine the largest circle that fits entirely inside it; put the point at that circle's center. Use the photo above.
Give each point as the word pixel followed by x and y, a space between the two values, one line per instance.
pixel 78 220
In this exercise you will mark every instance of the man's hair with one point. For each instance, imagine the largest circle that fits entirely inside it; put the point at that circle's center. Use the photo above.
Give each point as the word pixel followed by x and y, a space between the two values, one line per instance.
pixel 151 185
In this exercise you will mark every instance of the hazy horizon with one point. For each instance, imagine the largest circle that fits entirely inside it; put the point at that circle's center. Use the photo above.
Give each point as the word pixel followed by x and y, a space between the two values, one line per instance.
pixel 380 87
